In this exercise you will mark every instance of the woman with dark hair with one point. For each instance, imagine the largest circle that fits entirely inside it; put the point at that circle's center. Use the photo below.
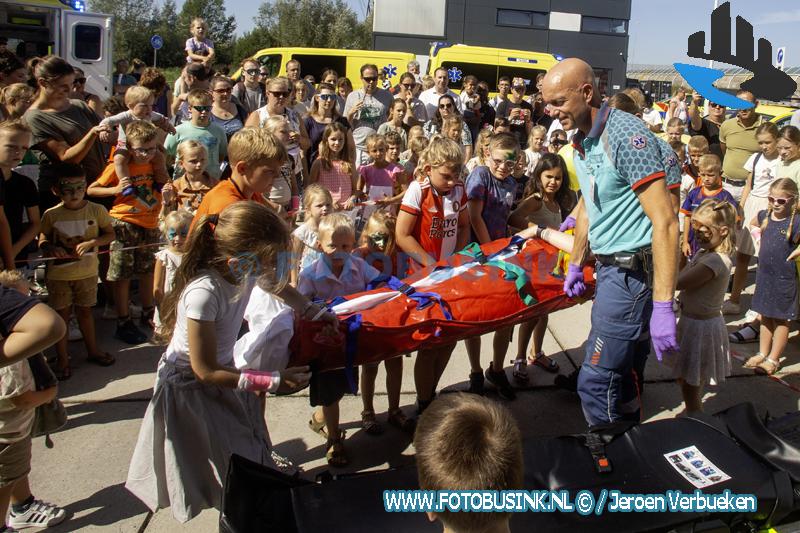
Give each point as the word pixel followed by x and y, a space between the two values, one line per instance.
pixel 224 112
pixel 79 93
pixel 63 130
pixel 406 93
pixel 12 70
pixel 323 112
pixel 446 108
pixel 154 79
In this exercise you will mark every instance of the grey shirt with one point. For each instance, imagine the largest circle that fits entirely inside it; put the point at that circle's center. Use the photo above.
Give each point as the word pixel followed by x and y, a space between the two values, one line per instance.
pixel 369 118
pixel 251 99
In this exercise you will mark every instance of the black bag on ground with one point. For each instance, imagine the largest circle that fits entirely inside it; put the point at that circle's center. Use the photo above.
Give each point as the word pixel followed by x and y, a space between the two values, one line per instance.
pixel 633 460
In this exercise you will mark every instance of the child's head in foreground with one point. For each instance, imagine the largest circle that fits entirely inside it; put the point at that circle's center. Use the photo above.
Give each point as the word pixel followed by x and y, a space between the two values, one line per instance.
pixel 256 156
pixel 467 442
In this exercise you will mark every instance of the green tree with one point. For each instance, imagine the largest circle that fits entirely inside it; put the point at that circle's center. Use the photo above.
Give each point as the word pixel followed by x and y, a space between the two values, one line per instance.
pixel 250 43
pixel 313 23
pixel 165 24
pixel 132 23
pixel 221 28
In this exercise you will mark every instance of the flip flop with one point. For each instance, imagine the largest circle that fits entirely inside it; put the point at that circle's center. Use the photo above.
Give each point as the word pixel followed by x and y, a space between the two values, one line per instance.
pixel 106 359
pixel 544 362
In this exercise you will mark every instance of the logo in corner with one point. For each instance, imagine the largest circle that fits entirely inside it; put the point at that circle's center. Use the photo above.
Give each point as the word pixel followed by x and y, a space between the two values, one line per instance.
pixel 638 142
pixel 768 81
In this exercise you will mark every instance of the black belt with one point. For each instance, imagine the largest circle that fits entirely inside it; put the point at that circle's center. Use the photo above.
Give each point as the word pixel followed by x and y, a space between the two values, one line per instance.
pixel 735 183
pixel 627 260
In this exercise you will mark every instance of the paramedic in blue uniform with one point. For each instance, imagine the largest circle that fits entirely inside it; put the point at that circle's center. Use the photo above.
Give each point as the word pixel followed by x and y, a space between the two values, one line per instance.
pixel 629 223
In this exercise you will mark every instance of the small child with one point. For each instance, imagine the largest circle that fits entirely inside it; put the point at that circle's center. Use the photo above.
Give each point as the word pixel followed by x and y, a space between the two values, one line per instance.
pixel 337 273
pixel 135 221
pixel 395 145
pixel 433 223
pixel 200 129
pixel 139 101
pixel 557 139
pixel 72 231
pixel 285 192
pixel 548 200
pixel 199 48
pixel 18 194
pixel 520 177
pixel 481 150
pixel 697 148
pixel 501 125
pixel 704 355
pixel 379 179
pixel 333 170
pixel 18 402
pixel 490 195
pixel 776 295
pixel 397 112
pixel 535 148
pixel 378 248
pixel 188 191
pixel 710 187
pixel 688 181
pixel 465 442
pixel 413 133
pixel 789 150
pixel 416 146
pixel 453 128
pixel 317 203
pixel 175 230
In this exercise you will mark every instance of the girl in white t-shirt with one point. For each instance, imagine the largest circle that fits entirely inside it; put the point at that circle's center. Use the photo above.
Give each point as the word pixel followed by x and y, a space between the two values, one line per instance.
pixel 203 409
pixel 763 169
pixel 317 202
pixel 174 229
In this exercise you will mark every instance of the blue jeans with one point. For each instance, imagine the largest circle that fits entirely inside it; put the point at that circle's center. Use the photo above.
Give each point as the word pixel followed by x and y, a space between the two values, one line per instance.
pixel 618 345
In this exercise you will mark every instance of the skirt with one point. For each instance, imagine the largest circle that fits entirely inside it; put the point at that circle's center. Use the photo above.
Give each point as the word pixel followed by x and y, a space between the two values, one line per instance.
pixel 744 241
pixel 704 355
pixel 187 437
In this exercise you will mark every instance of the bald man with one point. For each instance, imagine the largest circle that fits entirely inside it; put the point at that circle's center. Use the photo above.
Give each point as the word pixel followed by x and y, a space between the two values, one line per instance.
pixel 628 219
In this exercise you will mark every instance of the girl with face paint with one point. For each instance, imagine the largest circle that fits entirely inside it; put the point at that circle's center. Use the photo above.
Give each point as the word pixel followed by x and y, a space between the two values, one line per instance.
pixel 174 228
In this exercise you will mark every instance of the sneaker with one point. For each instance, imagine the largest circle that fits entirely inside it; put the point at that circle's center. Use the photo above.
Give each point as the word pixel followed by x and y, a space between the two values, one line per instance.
pixel 500 381
pixel 128 332
pixel 475 383
pixel 39 514
pixel 74 330
pixel 109 313
pixel 731 308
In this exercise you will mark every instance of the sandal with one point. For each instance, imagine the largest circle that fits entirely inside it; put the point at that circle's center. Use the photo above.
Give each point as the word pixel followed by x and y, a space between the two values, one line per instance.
pixel 520 371
pixel 754 361
pixel 318 427
pixel 63 373
pixel 369 424
pixel 745 334
pixel 767 367
pixel 335 453
pixel 543 361
pixel 103 359
pixel 398 419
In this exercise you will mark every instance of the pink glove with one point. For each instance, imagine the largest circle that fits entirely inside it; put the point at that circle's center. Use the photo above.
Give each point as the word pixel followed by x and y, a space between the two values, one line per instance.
pixel 568 223
pixel 755 232
pixel 573 284
pixel 662 329
pixel 254 380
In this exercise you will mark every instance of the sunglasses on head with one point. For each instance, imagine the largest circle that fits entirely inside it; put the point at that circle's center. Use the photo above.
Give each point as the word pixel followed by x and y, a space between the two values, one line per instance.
pixel 370 79
pixel 780 201
pixel 202 108
pixel 326 97
pixel 253 71
pixel 279 94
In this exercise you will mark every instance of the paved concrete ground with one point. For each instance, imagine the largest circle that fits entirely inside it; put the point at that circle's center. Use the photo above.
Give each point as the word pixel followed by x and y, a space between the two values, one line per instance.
pixel 86 469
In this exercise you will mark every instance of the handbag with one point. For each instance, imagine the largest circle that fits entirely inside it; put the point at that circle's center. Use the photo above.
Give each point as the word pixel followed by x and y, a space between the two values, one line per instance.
pixel 52 416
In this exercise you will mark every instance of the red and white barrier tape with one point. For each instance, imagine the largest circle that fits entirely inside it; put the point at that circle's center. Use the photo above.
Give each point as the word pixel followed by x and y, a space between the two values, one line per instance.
pixel 773 378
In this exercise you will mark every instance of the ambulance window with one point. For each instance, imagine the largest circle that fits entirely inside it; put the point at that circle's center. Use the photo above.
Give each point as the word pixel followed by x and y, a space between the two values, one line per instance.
pixel 528 74
pixel 86 40
pixel 487 73
pixel 272 63
pixel 317 64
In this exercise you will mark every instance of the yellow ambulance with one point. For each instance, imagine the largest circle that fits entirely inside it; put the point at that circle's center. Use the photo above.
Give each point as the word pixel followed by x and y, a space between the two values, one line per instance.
pixel 347 63
pixel 489 64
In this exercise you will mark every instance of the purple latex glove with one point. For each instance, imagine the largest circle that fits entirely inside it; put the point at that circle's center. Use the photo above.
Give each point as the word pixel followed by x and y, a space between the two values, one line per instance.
pixel 573 283
pixel 662 329
pixel 568 223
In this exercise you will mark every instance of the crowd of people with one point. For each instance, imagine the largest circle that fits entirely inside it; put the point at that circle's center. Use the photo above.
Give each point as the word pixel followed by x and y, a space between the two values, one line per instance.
pixel 176 208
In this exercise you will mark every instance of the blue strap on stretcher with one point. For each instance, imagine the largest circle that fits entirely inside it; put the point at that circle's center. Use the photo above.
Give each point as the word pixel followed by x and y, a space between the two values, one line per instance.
pixel 351 347
pixel 423 299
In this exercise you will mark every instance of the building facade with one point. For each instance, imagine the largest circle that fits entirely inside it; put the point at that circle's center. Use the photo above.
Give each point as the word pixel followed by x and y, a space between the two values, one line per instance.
pixel 593 30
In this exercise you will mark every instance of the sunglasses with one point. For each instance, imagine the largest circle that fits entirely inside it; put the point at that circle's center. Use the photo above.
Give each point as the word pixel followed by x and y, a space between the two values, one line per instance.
pixel 409 86
pixel 265 73
pixel 279 94
pixel 519 87
pixel 712 104
pixel 371 79
pixel 202 108
pixel 445 106
pixel 780 201
pixel 253 71
pixel 558 142
pixel 223 91
pixel 504 164
pixel 79 81
pixel 326 97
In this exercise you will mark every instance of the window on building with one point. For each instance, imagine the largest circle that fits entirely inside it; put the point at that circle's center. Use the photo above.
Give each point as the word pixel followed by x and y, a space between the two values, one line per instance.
pixel 604 25
pixel 527 19
pixel 87 39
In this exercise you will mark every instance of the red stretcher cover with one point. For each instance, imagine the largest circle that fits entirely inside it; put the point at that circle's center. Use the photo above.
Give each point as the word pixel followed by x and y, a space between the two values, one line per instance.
pixel 475 291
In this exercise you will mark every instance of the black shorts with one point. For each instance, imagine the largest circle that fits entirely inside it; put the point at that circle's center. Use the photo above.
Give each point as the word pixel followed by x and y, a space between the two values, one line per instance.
pixel 327 388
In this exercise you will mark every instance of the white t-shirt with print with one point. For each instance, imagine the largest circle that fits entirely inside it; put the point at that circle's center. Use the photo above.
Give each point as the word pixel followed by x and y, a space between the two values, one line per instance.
pixel 765 173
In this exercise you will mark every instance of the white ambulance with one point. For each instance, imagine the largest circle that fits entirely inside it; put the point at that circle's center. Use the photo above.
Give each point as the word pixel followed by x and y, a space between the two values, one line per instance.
pixel 41 27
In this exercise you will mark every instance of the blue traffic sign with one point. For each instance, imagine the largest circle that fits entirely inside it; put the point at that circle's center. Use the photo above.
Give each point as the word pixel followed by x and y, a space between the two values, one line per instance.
pixel 780 55
pixel 156 42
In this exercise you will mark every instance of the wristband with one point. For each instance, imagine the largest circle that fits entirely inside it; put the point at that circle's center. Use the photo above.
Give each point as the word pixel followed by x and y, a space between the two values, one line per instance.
pixel 254 380
pixel 306 307
pixel 321 312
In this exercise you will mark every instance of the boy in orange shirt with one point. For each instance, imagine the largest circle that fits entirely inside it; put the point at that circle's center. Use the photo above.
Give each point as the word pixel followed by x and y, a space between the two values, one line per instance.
pixel 135 221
